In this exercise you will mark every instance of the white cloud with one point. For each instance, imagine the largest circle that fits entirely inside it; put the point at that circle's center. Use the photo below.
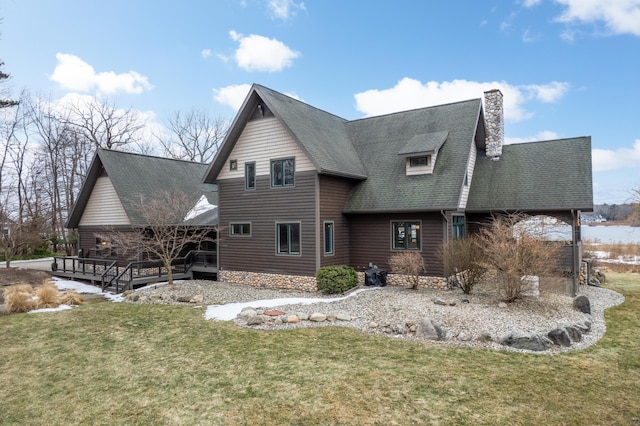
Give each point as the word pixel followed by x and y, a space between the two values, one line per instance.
pixel 545 135
pixel 409 93
pixel 259 53
pixel 205 53
pixel 531 3
pixel 619 16
pixel 621 158
pixel 72 73
pixel 232 96
pixel 284 9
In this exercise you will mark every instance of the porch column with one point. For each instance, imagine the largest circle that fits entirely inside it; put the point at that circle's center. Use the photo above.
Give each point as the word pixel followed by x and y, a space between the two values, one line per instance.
pixel 577 249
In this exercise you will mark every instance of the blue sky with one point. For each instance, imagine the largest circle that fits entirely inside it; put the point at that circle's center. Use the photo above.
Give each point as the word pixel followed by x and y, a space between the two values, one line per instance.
pixel 566 67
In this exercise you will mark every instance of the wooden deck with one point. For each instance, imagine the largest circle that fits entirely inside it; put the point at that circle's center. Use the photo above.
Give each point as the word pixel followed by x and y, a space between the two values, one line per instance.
pixel 115 278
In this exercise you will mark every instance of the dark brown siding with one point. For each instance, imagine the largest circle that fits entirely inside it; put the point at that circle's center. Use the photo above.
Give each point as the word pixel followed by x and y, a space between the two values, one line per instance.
pixel 371 239
pixel 263 207
pixel 87 241
pixel 333 194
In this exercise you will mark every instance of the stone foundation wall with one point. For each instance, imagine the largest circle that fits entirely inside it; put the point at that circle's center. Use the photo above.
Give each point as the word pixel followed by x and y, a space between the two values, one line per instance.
pixel 256 279
pixel 400 280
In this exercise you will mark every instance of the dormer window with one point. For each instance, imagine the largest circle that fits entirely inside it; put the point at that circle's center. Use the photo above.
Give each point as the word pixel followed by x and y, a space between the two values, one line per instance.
pixel 422 161
pixel 421 151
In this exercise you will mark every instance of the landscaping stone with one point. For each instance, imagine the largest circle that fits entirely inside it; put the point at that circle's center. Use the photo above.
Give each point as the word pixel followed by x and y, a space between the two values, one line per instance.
pixel 440 302
pixel 274 313
pixel 343 317
pixel 531 342
pixel 464 337
pixel 277 321
pixel 465 300
pixel 428 329
pixel 317 317
pixel 502 305
pixel 484 337
pixel 582 327
pixel 247 313
pixel 560 337
pixel 183 299
pixel 373 324
pixel 331 318
pixel 293 319
pixel 303 316
pixel 574 333
pixel 582 304
pixel 256 320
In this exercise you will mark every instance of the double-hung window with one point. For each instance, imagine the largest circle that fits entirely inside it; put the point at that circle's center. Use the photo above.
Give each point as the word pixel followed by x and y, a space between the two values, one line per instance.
pixel 405 235
pixel 288 238
pixel 282 172
pixel 250 175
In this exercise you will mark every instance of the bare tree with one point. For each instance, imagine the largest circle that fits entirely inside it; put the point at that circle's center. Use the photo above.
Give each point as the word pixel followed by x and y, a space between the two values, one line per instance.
pixel 5 101
pixel 462 260
pixel 165 233
pixel 515 255
pixel 194 136
pixel 409 263
pixel 104 124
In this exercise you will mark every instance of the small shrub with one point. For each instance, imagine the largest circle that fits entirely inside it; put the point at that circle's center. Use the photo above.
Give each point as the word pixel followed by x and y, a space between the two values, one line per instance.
pixel 336 279
pixel 19 298
pixel 408 263
pixel 47 295
pixel 462 259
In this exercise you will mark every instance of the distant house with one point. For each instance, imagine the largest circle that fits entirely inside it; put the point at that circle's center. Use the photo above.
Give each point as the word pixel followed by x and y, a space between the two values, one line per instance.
pixel 112 191
pixel 300 188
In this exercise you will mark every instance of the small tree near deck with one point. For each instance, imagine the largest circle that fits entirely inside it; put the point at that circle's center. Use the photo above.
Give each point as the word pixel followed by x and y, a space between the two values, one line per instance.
pixel 515 255
pixel 165 234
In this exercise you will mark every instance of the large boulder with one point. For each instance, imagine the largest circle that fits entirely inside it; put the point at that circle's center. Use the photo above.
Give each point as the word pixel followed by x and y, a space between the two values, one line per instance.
pixel 560 337
pixel 428 329
pixel 582 304
pixel 530 342
pixel 574 333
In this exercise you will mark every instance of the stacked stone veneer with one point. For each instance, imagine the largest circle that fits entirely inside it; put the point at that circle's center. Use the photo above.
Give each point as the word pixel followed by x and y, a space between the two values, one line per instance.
pixel 400 280
pixel 494 118
pixel 257 279
pixel 307 283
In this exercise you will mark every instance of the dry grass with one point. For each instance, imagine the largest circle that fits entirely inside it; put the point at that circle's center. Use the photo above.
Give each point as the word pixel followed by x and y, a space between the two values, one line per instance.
pixel 24 298
pixel 70 297
pixel 19 298
pixel 47 295
pixel 617 252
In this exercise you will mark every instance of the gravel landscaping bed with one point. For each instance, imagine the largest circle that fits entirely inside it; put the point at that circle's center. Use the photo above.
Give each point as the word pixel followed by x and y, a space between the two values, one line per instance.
pixel 472 320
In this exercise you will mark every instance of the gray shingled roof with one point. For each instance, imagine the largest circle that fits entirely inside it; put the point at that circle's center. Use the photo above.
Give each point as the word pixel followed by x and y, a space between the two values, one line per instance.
pixel 424 143
pixel 378 141
pixel 549 175
pixel 133 175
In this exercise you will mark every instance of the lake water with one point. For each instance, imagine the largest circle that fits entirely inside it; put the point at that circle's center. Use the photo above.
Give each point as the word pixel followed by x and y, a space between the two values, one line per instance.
pixel 611 234
pixel 593 233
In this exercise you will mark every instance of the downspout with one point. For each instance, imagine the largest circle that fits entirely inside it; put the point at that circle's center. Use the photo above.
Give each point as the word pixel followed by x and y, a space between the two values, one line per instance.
pixel 445 240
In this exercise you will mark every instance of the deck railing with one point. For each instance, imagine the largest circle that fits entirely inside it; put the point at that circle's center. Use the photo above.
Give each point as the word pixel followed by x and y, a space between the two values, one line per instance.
pixel 122 278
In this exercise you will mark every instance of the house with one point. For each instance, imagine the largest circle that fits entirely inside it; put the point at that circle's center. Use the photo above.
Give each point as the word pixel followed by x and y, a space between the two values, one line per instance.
pixel 300 188
pixel 110 200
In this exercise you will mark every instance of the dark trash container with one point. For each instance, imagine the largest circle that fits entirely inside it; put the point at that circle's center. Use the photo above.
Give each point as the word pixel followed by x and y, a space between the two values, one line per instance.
pixel 376 277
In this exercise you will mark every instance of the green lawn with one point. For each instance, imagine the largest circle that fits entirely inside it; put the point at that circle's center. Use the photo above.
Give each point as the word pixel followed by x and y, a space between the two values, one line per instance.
pixel 117 363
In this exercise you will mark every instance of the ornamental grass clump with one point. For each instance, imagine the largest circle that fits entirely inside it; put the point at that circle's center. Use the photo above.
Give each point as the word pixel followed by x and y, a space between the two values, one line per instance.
pixel 19 298
pixel 336 279
pixel 47 296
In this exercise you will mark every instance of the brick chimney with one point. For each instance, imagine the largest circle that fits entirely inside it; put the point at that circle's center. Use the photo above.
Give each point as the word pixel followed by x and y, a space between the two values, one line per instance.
pixel 494 119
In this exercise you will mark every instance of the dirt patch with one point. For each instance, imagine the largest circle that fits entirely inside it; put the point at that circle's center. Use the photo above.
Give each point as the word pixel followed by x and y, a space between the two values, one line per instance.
pixel 13 276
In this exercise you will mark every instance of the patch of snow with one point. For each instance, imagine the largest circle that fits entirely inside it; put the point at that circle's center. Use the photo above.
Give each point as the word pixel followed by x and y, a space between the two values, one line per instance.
pixel 201 206
pixel 231 310
pixel 59 308
pixel 78 287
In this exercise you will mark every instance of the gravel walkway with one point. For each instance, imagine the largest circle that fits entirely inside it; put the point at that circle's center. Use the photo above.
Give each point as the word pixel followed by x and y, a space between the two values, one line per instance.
pixel 394 310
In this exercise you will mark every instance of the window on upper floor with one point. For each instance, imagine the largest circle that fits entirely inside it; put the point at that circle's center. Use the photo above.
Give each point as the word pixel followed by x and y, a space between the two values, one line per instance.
pixel 422 161
pixel 233 165
pixel 406 235
pixel 288 238
pixel 249 175
pixel 282 172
